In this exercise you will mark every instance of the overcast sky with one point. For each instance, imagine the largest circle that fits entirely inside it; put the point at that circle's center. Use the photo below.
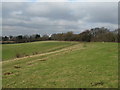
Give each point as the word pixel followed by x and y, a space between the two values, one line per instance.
pixel 56 17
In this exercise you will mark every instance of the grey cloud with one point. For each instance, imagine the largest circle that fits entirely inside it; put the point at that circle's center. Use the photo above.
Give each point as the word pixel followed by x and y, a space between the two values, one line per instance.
pixel 106 12
pixel 29 18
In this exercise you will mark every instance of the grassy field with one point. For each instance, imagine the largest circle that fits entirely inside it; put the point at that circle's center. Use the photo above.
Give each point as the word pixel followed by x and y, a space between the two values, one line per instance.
pixel 11 51
pixel 73 65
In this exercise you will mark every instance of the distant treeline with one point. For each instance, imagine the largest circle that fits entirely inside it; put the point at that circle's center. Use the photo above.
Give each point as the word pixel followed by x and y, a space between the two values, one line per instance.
pixel 93 35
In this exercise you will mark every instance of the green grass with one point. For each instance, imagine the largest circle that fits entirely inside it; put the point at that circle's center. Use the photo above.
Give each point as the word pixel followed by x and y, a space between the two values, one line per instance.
pixel 94 65
pixel 11 51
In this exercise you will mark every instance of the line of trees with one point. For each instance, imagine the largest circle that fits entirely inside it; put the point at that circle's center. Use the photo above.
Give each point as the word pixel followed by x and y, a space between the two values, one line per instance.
pixel 93 35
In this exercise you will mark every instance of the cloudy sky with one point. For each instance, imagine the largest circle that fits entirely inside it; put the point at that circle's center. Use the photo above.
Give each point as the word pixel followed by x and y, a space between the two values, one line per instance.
pixel 55 17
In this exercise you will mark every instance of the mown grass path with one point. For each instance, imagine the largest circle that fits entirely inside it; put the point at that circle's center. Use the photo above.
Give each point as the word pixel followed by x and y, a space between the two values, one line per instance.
pixel 69 48
pixel 12 51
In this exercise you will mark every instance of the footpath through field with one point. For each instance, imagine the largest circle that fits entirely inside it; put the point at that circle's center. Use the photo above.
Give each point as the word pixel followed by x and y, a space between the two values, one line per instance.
pixel 63 50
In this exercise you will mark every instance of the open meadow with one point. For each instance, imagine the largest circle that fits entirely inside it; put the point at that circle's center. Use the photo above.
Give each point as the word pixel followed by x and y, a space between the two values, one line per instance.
pixel 60 64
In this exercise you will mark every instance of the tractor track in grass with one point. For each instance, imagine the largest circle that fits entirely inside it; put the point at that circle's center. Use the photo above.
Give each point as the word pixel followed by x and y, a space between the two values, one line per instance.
pixel 66 49
pixel 70 49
